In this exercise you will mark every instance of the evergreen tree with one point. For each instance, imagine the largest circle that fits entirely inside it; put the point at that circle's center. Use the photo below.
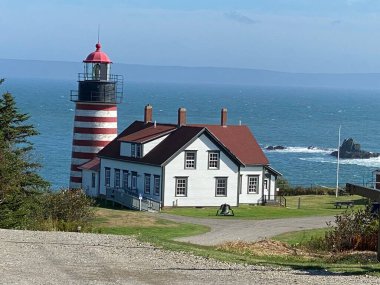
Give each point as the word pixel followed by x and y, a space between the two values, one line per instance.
pixel 17 168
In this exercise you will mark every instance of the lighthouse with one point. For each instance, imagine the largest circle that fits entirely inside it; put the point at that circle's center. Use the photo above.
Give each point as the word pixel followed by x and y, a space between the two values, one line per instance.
pixel 95 121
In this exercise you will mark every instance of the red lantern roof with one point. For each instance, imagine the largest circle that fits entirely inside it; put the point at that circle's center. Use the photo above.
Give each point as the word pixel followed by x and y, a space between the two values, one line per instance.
pixel 98 56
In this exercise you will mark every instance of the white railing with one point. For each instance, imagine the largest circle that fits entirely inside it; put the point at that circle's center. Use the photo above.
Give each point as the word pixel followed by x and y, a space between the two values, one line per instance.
pixel 130 201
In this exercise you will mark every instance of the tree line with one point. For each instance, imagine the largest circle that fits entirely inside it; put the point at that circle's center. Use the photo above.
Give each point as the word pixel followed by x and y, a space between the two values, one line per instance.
pixel 26 200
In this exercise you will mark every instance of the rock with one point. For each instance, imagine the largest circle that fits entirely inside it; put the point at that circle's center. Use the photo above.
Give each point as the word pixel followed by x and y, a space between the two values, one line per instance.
pixel 350 149
pixel 276 147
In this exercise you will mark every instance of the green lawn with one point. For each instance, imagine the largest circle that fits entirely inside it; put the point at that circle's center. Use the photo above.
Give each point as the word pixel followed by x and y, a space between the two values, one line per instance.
pixel 161 233
pixel 310 205
pixel 300 237
pixel 142 225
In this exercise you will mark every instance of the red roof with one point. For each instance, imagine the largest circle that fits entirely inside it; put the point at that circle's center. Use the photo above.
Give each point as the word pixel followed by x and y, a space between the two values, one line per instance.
pixel 148 133
pixel 240 142
pixel 237 141
pixel 93 165
pixel 98 56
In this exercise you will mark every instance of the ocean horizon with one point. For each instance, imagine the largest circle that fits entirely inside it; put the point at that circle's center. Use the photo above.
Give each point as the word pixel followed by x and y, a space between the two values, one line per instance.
pixel 305 120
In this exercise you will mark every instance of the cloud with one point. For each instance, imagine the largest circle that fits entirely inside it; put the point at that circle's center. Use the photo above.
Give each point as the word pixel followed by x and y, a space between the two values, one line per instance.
pixel 240 18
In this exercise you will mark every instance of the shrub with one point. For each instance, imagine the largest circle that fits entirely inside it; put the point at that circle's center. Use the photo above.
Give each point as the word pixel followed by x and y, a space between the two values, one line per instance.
pixel 353 230
pixel 67 210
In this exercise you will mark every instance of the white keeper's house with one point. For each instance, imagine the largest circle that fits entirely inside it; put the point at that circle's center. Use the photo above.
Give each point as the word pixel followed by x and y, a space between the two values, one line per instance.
pixel 182 164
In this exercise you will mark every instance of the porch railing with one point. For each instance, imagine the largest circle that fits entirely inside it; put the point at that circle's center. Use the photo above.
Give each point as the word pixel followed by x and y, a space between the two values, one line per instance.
pixel 272 199
pixel 132 200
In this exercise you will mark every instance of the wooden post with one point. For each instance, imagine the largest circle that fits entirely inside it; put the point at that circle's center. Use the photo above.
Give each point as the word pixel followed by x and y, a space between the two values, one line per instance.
pixel 299 203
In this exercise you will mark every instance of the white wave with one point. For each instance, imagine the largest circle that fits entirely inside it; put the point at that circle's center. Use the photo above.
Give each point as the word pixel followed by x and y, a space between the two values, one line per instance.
pixel 300 149
pixel 373 162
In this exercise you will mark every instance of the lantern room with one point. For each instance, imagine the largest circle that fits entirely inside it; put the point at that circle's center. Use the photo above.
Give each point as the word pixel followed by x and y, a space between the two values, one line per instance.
pixel 96 83
pixel 97 65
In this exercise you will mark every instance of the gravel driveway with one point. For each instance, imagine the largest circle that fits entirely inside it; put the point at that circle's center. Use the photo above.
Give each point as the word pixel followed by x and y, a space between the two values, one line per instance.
pixel 222 230
pixel 75 258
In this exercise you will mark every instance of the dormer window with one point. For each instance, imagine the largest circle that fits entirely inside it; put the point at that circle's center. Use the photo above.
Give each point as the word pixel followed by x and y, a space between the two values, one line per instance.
pixel 133 150
pixel 136 150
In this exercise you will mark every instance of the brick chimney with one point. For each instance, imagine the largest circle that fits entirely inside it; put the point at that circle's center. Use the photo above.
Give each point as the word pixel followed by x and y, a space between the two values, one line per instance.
pixel 223 117
pixel 148 114
pixel 181 117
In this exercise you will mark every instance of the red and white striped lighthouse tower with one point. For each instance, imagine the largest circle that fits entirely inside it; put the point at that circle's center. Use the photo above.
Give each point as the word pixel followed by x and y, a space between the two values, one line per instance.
pixel 96 99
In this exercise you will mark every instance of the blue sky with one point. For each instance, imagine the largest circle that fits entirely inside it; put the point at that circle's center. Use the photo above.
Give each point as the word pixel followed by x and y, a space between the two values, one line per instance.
pixel 287 35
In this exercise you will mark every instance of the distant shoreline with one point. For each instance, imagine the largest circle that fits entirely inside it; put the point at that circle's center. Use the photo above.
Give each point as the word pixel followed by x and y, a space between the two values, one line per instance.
pixel 16 68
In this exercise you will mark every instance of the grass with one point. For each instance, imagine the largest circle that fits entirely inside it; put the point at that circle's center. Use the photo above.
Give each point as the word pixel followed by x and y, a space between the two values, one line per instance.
pixel 310 205
pixel 300 237
pixel 148 228
pixel 142 225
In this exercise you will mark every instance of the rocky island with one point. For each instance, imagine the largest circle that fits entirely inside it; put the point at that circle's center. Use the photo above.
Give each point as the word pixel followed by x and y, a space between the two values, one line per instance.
pixel 350 149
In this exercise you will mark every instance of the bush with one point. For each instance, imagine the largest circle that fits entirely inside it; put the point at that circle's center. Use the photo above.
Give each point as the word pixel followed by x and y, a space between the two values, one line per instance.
pixel 65 210
pixel 353 230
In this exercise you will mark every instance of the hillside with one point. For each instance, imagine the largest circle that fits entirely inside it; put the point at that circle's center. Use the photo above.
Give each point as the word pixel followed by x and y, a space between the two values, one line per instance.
pixel 10 68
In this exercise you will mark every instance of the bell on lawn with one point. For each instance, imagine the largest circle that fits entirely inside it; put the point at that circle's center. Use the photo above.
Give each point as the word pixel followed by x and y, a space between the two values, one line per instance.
pixel 225 210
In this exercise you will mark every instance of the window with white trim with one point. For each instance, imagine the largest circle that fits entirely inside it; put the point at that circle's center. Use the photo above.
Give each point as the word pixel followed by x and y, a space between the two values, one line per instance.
pixel 125 179
pixel 107 176
pixel 253 184
pixel 213 160
pixel 156 185
pixel 147 183
pixel 134 181
pixel 190 159
pixel 138 150
pixel 133 150
pixel 221 186
pixel 93 179
pixel 181 186
pixel 117 178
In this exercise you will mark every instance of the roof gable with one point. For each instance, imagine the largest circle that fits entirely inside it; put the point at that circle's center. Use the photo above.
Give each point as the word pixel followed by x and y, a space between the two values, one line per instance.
pixel 240 142
pixel 236 141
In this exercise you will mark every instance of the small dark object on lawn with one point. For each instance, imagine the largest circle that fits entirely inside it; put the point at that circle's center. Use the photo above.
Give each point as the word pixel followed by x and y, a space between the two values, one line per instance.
pixel 225 210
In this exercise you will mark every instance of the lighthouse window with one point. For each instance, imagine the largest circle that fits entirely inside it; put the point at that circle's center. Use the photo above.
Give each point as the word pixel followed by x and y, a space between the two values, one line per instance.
pixel 96 71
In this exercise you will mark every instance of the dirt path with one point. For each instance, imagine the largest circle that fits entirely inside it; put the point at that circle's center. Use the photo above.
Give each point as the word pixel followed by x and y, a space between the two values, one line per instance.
pixel 73 258
pixel 226 229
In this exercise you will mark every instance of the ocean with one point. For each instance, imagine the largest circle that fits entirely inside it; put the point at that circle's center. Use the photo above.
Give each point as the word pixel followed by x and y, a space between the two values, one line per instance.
pixel 304 120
